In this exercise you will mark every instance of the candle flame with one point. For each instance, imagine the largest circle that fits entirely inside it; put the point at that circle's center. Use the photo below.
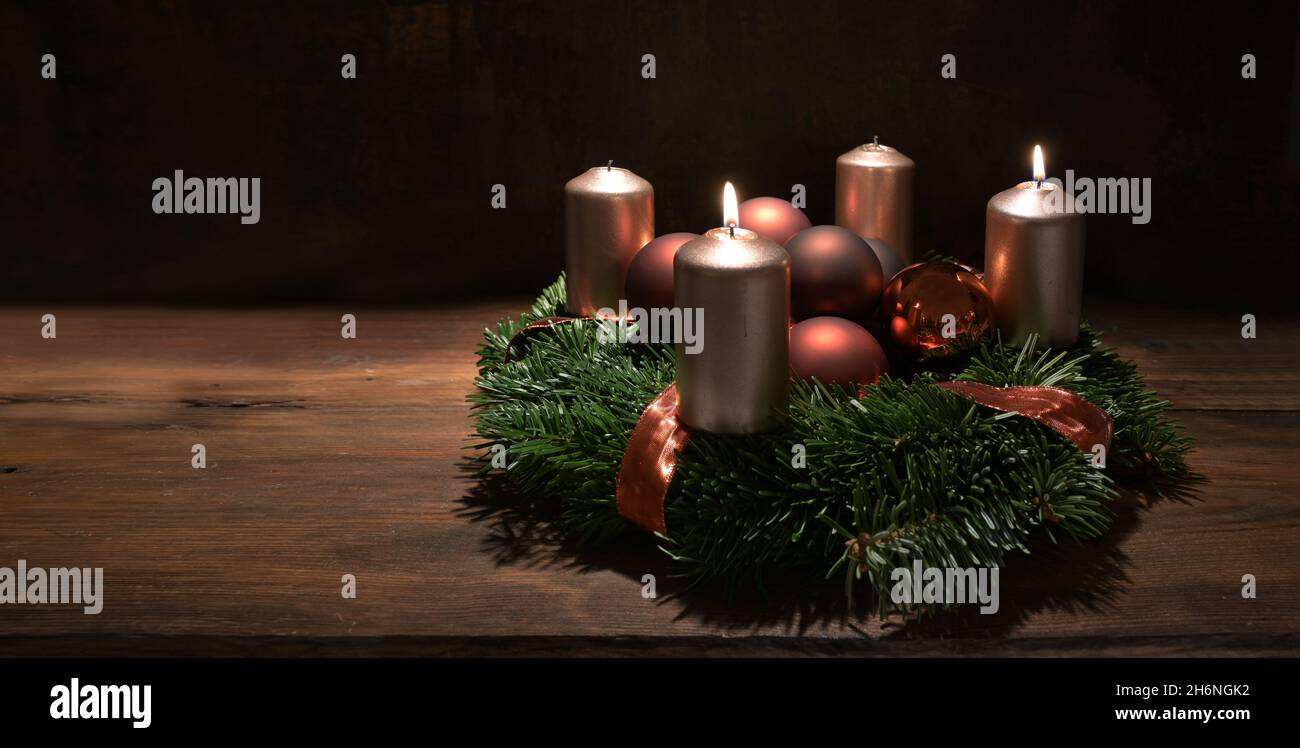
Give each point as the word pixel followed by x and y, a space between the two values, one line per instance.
pixel 1040 171
pixel 730 208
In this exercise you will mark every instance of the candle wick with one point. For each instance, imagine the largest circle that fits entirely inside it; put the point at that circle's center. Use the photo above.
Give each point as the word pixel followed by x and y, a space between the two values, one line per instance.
pixel 610 166
pixel 875 140
pixel 732 229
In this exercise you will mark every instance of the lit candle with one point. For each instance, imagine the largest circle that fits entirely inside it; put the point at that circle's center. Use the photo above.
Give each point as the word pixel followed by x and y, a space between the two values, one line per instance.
pixel 873 195
pixel 738 382
pixel 1033 261
pixel 609 214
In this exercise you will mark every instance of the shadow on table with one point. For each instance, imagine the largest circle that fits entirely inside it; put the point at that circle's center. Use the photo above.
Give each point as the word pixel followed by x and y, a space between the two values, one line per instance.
pixel 1066 576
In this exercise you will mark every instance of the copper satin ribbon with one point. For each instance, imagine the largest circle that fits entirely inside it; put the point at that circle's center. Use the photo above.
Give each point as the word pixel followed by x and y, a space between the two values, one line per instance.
pixel 1060 410
pixel 650 460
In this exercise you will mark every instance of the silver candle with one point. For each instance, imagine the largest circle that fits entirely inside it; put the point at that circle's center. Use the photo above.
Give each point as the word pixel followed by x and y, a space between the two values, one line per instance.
pixel 609 214
pixel 873 195
pixel 1033 261
pixel 738 382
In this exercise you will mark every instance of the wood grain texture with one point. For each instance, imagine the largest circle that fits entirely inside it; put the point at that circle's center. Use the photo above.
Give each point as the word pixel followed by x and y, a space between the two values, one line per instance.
pixel 329 456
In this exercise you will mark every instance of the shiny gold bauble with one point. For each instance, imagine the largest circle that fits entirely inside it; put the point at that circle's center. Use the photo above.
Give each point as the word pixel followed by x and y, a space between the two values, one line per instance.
pixel 936 313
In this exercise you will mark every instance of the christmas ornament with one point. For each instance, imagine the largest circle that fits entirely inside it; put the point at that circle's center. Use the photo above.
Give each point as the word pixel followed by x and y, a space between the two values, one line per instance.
pixel 772 218
pixel 650 276
pixel 836 351
pixel 936 313
pixel 833 271
pixel 890 261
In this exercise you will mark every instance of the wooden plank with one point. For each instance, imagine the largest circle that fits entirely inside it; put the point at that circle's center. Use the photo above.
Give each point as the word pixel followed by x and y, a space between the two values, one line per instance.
pixel 330 456
pixel 1198 359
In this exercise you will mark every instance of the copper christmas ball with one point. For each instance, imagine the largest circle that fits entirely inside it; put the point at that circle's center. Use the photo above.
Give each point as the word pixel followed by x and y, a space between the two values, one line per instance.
pixel 836 351
pixel 890 261
pixel 936 313
pixel 772 218
pixel 649 283
pixel 833 272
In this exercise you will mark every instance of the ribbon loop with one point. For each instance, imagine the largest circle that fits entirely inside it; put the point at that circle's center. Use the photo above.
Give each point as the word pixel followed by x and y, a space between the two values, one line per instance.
pixel 650 461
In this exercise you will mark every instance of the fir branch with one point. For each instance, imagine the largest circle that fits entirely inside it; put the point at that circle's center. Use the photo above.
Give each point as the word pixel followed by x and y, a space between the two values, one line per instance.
pixel 492 351
pixel 1146 439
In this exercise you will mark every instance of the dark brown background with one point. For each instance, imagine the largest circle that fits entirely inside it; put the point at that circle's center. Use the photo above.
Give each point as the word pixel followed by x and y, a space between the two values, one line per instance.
pixel 377 189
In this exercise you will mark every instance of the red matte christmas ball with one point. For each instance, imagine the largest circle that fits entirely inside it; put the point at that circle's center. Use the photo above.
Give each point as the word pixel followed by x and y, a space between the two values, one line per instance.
pixel 772 218
pixel 833 271
pixel 836 351
pixel 649 282
pixel 890 261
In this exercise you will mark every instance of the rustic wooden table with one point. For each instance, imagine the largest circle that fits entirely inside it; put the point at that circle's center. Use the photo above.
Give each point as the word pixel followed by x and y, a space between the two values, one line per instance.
pixel 328 457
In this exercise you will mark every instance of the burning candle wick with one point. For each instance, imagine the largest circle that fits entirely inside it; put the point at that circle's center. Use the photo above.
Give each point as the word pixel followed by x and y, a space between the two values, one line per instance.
pixel 730 209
